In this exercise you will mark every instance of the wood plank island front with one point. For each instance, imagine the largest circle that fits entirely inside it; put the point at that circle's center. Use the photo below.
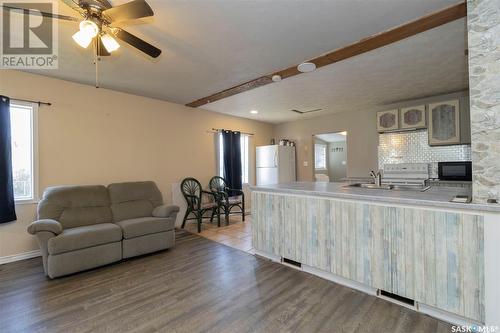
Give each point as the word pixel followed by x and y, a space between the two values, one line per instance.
pixel 440 256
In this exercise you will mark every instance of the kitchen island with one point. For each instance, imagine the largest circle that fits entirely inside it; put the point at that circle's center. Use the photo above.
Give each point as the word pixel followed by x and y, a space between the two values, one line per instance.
pixel 417 245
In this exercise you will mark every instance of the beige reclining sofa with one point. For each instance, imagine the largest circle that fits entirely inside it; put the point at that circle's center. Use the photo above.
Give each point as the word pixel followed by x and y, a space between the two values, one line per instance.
pixel 82 227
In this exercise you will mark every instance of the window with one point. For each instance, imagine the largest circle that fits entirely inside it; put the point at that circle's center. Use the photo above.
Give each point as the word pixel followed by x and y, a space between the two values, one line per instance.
pixel 22 119
pixel 245 153
pixel 319 156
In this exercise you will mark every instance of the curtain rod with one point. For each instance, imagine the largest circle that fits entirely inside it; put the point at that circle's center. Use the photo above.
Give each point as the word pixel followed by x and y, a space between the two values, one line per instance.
pixel 222 129
pixel 30 101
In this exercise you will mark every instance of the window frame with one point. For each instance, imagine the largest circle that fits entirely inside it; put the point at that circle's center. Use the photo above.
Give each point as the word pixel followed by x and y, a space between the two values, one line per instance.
pixel 245 159
pixel 34 151
pixel 325 148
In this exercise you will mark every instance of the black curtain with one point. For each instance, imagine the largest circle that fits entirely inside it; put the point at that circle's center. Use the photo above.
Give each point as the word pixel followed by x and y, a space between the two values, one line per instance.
pixel 7 208
pixel 232 159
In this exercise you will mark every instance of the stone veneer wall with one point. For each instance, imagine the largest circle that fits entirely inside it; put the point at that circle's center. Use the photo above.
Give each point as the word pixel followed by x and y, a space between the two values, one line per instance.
pixel 483 20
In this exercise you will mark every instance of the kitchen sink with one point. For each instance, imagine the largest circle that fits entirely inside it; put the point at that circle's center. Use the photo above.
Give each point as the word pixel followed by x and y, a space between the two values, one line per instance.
pixel 389 187
pixel 370 185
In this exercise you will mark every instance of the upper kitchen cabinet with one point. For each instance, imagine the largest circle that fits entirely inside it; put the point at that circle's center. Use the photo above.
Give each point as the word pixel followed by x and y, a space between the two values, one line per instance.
pixel 388 120
pixel 446 117
pixel 444 123
pixel 413 117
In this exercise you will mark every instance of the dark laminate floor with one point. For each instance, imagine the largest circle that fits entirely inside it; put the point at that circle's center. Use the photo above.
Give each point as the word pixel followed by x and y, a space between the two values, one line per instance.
pixel 199 286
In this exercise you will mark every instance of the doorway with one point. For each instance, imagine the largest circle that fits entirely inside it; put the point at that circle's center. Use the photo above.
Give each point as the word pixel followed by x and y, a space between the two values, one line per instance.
pixel 330 157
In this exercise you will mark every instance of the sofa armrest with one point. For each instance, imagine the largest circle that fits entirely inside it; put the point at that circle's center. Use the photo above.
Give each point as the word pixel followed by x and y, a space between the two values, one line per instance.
pixel 45 225
pixel 45 230
pixel 166 211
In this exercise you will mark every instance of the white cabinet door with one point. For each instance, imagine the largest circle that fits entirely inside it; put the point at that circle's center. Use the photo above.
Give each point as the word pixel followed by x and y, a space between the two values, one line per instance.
pixel 413 117
pixel 444 123
pixel 388 120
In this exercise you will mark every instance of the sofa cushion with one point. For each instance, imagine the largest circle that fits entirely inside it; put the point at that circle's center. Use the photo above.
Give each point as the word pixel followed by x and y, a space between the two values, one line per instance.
pixel 145 226
pixel 131 210
pixel 76 206
pixel 134 199
pixel 84 237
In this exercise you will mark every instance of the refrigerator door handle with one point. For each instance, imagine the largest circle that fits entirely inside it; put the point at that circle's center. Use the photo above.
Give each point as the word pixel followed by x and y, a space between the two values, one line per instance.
pixel 276 159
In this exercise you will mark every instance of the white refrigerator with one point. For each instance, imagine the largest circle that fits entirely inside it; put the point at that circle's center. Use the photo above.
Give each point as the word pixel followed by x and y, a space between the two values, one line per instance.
pixel 275 164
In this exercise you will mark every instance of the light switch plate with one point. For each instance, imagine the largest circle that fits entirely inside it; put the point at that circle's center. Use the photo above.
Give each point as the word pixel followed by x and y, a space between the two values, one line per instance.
pixel 306 163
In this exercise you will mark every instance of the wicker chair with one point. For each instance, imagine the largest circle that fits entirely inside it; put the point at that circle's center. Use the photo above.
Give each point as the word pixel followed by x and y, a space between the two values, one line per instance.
pixel 193 193
pixel 225 201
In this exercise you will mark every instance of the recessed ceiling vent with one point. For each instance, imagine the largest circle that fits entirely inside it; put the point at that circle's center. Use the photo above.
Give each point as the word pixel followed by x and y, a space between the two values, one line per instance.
pixel 305 111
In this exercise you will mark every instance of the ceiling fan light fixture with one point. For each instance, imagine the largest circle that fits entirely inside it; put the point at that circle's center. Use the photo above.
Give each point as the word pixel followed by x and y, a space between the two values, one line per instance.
pixel 89 27
pixel 109 43
pixel 82 38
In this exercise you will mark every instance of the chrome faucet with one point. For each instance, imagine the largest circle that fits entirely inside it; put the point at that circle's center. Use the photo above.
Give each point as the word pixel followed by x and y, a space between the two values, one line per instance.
pixel 377 178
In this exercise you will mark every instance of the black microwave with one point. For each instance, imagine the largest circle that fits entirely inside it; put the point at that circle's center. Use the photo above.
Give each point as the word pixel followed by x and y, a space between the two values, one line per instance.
pixel 458 171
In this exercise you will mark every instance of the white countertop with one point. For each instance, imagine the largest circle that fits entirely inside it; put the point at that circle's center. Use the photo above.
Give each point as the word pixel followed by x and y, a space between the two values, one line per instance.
pixel 438 196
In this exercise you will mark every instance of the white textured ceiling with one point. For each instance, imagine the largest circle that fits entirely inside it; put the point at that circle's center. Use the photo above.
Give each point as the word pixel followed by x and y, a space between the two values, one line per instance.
pixel 211 45
pixel 427 64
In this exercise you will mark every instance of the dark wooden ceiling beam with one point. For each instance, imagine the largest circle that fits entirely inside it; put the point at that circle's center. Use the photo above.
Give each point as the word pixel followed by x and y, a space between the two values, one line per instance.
pixel 373 42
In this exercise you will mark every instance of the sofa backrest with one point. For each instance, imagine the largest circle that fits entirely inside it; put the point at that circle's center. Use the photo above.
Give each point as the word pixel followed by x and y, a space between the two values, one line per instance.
pixel 134 199
pixel 75 206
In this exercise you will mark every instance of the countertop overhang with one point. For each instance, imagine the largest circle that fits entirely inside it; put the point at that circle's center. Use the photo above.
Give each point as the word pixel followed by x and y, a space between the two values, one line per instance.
pixel 436 197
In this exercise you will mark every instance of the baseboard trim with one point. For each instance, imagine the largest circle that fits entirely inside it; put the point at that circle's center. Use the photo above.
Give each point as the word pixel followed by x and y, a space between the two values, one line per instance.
pixel 268 256
pixel 447 316
pixel 340 280
pixel 20 256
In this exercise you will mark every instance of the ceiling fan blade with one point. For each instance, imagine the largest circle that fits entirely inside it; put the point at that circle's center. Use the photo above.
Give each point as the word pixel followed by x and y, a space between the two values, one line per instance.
pixel 304 112
pixel 132 10
pixel 101 50
pixel 30 11
pixel 136 42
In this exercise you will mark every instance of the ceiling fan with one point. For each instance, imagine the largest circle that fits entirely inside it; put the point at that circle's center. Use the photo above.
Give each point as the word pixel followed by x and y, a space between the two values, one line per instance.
pixel 99 24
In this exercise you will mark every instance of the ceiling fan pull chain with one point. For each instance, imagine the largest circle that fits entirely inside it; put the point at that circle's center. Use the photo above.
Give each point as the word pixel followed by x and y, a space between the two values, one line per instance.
pixel 96 72
pixel 96 61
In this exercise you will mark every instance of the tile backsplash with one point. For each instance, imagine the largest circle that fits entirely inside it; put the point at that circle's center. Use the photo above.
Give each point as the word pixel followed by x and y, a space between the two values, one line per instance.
pixel 413 147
